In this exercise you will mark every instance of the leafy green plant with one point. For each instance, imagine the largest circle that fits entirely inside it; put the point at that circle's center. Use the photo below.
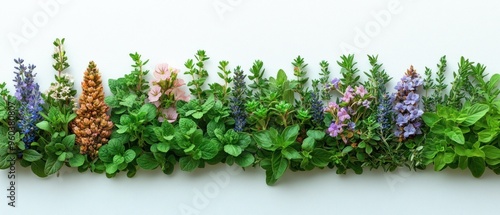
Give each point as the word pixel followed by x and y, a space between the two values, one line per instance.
pixel 116 158
pixel 279 150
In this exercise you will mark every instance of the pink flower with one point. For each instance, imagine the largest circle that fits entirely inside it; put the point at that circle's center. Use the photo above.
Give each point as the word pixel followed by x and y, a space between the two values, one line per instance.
pixel 343 115
pixel 170 114
pixel 179 94
pixel 178 82
pixel 361 91
pixel 154 93
pixel 348 95
pixel 162 72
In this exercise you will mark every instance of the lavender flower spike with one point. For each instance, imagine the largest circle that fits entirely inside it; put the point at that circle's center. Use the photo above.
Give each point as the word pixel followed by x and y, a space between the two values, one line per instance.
pixel 29 96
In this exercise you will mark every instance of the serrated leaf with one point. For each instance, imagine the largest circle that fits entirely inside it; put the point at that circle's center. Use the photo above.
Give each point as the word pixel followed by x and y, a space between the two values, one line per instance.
pixel 150 111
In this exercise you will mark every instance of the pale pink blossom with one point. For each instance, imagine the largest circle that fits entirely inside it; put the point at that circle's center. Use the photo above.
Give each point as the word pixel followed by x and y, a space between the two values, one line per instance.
pixel 162 72
pixel 170 114
pixel 154 93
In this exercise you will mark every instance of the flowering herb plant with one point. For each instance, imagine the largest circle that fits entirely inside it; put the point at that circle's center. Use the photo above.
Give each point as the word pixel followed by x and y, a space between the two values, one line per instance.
pixel 285 121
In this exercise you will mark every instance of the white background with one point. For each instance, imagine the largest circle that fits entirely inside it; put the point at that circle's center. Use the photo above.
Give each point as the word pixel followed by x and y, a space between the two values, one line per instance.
pixel 402 32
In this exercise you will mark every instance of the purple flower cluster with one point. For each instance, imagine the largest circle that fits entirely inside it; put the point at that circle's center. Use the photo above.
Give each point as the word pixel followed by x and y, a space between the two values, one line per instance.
pixel 408 119
pixel 29 96
pixel 345 113
pixel 238 100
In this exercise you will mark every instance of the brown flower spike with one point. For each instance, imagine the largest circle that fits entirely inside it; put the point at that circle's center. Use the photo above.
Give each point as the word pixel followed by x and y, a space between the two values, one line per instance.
pixel 92 126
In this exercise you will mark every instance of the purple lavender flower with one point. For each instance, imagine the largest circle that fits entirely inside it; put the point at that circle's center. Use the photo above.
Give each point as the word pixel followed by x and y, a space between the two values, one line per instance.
pixel 400 107
pixel 385 113
pixel 317 109
pixel 238 100
pixel 29 96
pixel 335 83
pixel 343 115
pixel 409 130
pixel 411 99
pixel 334 129
pixel 407 101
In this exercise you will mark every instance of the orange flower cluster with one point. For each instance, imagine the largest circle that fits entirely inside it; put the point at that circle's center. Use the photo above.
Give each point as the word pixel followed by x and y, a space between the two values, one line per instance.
pixel 92 126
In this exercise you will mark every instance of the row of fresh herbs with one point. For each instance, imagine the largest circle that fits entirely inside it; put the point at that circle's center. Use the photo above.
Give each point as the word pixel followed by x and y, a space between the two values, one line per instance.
pixel 276 122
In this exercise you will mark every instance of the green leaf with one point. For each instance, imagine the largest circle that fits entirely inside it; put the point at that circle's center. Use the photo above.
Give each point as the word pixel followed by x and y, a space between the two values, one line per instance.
pixel 290 133
pixel 118 159
pixel 455 134
pixel 197 115
pixel 320 157
pixel 52 165
pixel 477 166
pixel 208 104
pixel 44 125
pixel 150 109
pixel 316 134
pixel 290 153
pixel 474 113
pixel 187 126
pixel 487 135
pixel 129 155
pixel 233 150
pixel 188 164
pixel 279 165
pixel 31 155
pixel 491 152
pixel 129 100
pixel 209 149
pixel 430 118
pixel 77 160
pixel 281 77
pixel 308 144
pixel 147 161
pixel 38 167
pixel 108 151
pixel 62 157
pixel 69 141
pixel 245 159
pixel 263 139
pixel 111 168
pixel 163 147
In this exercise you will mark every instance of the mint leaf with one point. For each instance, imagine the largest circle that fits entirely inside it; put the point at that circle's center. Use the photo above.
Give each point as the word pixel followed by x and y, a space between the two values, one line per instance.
pixel 245 159
pixel 233 150
pixel 77 160
pixel 147 161
pixel 188 164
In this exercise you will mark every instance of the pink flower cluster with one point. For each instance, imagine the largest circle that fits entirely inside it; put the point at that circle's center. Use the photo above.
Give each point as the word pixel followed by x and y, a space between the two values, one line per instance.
pixel 166 91
pixel 346 113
